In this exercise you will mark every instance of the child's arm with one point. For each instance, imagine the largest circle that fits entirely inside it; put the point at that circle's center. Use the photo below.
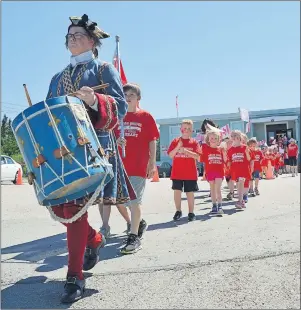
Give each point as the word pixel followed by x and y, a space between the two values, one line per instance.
pixel 151 167
pixel 248 156
pixel 173 151
pixel 229 159
pixel 225 157
pixel 252 166
pixel 191 154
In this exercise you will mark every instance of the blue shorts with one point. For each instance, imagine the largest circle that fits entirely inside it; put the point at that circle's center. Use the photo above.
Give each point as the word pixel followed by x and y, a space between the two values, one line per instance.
pixel 255 174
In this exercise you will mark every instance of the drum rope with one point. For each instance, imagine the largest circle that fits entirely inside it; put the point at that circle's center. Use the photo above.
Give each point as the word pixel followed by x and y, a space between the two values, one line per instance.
pixel 83 210
pixel 56 132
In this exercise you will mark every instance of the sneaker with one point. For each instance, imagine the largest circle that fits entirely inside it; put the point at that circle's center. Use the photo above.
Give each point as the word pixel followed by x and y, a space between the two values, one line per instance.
pixel 177 215
pixel 74 289
pixel 142 228
pixel 91 257
pixel 230 196
pixel 105 231
pixel 243 204
pixel 133 244
pixel 245 198
pixel 239 205
pixel 257 192
pixel 220 209
pixel 252 193
pixel 214 209
pixel 191 217
pixel 128 228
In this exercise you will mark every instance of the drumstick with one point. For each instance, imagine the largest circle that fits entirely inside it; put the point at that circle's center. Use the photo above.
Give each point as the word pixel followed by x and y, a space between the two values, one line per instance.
pixel 27 95
pixel 94 88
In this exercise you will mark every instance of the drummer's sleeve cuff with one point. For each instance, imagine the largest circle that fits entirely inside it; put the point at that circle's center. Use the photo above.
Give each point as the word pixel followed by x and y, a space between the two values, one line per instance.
pixel 95 105
pixel 108 112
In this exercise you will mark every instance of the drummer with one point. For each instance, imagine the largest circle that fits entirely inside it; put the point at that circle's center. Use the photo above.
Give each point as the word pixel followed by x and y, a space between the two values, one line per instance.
pixel 84 71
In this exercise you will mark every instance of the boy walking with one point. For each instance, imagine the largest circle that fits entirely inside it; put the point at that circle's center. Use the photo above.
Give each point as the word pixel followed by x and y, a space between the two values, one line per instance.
pixel 184 151
pixel 141 133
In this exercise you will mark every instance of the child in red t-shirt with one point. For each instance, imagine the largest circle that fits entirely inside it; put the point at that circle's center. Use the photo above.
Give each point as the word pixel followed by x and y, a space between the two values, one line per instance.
pixel 292 152
pixel 244 141
pixel 239 158
pixel 277 157
pixel 140 135
pixel 214 158
pixel 264 162
pixel 184 151
pixel 227 144
pixel 281 164
pixel 256 155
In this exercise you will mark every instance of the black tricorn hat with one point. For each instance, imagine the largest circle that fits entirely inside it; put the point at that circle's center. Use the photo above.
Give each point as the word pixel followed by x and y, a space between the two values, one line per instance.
pixel 90 26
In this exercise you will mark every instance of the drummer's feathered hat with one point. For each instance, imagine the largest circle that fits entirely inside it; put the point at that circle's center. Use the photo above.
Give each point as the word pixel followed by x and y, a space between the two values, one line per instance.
pixel 90 27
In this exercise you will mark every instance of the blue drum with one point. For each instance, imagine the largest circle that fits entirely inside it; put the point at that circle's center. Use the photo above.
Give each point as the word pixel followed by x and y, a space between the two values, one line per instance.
pixel 61 150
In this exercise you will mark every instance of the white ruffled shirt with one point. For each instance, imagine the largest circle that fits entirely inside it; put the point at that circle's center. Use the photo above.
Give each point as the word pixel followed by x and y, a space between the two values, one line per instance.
pixel 82 59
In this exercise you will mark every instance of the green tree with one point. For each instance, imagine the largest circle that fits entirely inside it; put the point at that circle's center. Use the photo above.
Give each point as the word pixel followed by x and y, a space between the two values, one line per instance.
pixel 9 145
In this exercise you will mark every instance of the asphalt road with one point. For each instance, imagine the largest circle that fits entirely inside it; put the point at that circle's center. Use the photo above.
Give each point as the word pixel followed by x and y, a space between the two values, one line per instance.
pixel 245 260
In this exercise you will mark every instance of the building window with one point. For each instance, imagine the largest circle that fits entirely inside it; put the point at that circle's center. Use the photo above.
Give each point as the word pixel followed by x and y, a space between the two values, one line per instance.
pixel 174 130
pixel 238 125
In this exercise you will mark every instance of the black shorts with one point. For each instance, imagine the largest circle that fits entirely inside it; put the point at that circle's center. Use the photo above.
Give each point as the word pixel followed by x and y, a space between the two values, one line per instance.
pixel 292 161
pixel 188 185
pixel 286 161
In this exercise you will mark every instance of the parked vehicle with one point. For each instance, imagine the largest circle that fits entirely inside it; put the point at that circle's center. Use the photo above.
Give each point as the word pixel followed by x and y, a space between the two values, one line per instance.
pixel 9 169
pixel 200 168
pixel 164 169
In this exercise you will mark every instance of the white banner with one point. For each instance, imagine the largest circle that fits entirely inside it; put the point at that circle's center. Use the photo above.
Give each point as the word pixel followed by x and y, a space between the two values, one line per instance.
pixel 244 114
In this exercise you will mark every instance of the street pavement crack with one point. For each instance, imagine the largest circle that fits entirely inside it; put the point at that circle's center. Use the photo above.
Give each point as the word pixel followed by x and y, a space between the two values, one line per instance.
pixel 174 267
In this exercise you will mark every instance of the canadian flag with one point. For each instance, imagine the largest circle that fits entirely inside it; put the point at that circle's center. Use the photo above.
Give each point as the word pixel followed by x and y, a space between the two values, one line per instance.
pixel 226 131
pixel 115 63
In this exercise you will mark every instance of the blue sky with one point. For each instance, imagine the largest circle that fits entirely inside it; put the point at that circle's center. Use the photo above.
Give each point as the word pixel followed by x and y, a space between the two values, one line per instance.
pixel 217 56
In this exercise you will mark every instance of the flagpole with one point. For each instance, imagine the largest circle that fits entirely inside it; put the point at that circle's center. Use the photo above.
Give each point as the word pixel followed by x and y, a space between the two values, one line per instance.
pixel 177 106
pixel 118 68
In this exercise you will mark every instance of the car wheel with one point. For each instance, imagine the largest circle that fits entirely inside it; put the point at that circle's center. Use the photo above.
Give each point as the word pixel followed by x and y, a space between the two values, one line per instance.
pixel 16 177
pixel 164 174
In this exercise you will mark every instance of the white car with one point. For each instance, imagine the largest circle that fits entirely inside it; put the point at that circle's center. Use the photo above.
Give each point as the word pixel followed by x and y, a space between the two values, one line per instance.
pixel 9 169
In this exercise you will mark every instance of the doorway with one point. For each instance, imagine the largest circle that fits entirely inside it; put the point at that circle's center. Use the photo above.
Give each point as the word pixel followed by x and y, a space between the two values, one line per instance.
pixel 278 131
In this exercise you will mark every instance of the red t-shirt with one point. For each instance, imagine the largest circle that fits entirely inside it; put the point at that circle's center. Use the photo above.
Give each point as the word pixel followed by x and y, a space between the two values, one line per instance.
pixel 277 159
pixel 213 159
pixel 257 158
pixel 292 150
pixel 139 130
pixel 240 166
pixel 184 167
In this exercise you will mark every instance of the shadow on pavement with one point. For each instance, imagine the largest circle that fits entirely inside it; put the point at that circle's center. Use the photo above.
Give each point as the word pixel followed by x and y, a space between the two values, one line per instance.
pixel 169 224
pixel 37 250
pixel 36 293
pixel 53 252
pixel 196 197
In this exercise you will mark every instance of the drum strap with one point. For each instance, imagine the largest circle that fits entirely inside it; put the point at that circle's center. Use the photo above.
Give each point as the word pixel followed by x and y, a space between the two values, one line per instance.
pixel 80 213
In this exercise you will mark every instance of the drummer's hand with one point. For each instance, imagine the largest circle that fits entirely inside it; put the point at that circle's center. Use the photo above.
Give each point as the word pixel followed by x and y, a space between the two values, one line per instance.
pixel 121 141
pixel 86 94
